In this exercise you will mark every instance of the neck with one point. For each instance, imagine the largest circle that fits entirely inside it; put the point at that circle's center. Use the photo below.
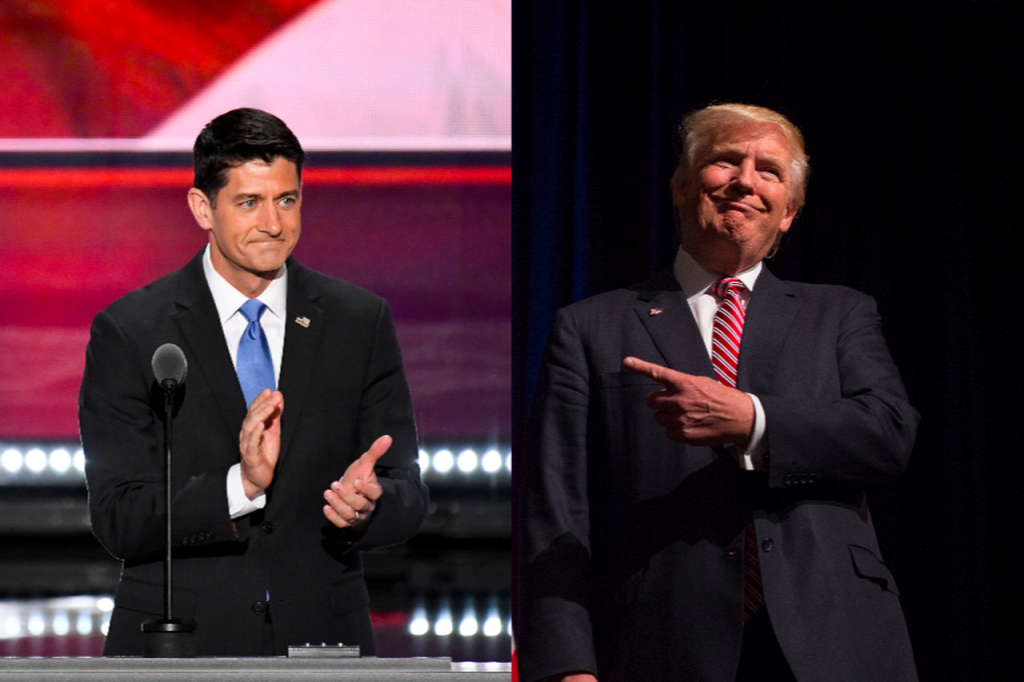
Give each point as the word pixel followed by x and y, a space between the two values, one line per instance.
pixel 725 264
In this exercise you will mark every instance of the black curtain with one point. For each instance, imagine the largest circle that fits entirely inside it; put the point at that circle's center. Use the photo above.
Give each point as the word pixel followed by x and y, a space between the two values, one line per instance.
pixel 914 136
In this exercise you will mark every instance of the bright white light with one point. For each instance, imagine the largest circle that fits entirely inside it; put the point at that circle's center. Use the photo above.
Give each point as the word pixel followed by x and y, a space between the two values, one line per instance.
pixel 443 461
pixel 83 625
pixel 35 460
pixel 60 460
pixel 491 461
pixel 79 460
pixel 419 625
pixel 467 461
pixel 508 461
pixel 105 604
pixel 469 625
pixel 12 626
pixel 61 625
pixel 443 627
pixel 36 624
pixel 424 460
pixel 509 627
pixel 11 460
pixel 492 626
pixel 105 628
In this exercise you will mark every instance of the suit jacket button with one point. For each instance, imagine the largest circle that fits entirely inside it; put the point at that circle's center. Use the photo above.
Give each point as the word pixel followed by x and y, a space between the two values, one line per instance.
pixel 259 608
pixel 767 544
pixel 268 527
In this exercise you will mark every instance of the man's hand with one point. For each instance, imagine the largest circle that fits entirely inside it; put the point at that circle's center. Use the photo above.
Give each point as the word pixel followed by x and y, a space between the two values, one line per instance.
pixel 697 410
pixel 350 501
pixel 259 442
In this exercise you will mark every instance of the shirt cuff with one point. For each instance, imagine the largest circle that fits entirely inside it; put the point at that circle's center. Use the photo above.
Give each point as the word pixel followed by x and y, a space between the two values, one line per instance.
pixel 755 458
pixel 238 503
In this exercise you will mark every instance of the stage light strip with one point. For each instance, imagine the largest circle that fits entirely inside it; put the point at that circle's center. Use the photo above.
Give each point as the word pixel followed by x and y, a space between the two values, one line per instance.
pixel 64 464
pixel 121 178
pixel 63 616
pixel 86 615
pixel 469 621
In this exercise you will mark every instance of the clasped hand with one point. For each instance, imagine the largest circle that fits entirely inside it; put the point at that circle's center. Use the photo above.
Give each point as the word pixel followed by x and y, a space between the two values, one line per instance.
pixel 350 501
pixel 696 410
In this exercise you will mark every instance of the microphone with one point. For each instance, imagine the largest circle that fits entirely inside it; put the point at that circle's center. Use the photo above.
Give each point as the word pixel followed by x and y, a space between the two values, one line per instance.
pixel 169 367
pixel 168 637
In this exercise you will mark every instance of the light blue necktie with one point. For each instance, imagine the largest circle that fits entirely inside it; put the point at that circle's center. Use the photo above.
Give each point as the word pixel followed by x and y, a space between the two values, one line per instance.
pixel 255 368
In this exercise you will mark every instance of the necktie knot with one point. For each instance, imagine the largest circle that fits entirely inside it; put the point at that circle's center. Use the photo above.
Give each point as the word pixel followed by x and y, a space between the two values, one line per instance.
pixel 728 287
pixel 253 309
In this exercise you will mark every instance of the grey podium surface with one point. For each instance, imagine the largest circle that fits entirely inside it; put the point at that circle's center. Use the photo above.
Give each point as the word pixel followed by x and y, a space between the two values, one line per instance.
pixel 273 669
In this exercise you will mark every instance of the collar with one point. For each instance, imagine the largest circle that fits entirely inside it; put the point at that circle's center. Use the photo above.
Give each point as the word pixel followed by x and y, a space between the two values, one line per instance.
pixel 228 299
pixel 695 280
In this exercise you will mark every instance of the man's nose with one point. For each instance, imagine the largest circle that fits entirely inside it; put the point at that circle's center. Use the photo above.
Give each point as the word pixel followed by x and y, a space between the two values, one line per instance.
pixel 270 221
pixel 746 175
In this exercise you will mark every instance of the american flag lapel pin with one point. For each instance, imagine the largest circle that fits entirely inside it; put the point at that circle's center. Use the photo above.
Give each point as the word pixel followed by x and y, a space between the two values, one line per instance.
pixel 656 311
pixel 304 321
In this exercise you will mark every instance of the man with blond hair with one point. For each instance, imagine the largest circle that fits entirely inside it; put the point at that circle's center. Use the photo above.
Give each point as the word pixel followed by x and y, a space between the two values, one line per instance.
pixel 699 448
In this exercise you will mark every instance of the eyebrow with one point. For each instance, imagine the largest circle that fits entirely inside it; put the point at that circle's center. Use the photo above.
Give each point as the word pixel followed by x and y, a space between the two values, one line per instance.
pixel 245 196
pixel 729 148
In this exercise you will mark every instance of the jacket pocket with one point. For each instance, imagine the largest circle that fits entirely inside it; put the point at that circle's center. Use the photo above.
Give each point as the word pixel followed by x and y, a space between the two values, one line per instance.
pixel 867 565
pixel 626 378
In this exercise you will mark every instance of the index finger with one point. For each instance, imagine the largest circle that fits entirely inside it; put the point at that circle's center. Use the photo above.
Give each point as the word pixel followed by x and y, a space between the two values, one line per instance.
pixel 651 370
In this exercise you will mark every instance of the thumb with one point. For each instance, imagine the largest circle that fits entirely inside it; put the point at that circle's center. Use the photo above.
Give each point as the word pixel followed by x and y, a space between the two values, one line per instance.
pixel 370 457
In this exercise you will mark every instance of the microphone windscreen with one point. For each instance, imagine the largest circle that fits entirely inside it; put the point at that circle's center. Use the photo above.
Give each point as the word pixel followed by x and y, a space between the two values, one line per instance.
pixel 169 363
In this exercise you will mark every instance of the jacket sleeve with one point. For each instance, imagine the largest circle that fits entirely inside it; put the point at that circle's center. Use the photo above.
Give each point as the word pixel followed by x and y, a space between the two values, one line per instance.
pixel 856 431
pixel 123 439
pixel 554 633
pixel 386 408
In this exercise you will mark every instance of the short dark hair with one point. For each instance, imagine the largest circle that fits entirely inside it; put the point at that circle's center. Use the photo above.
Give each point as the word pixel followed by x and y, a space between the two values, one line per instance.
pixel 237 137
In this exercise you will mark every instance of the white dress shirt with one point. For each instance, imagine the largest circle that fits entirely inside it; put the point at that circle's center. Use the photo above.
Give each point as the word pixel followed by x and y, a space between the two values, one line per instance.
pixel 229 300
pixel 696 283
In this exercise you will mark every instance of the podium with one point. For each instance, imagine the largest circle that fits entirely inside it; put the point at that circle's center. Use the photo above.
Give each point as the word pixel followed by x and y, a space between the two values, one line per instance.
pixel 270 669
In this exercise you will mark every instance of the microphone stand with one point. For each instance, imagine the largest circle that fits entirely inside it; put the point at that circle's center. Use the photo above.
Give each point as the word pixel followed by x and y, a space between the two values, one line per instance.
pixel 168 637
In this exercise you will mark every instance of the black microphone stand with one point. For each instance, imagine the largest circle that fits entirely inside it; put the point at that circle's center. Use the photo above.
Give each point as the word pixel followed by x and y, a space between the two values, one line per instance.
pixel 168 637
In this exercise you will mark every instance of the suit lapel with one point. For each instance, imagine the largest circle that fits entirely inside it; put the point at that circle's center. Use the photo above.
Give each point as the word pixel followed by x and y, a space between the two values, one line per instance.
pixel 303 328
pixel 665 314
pixel 773 308
pixel 206 349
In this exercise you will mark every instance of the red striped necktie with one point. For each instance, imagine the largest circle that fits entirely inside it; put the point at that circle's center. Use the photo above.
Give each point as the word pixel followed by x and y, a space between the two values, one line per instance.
pixel 728 329
pixel 725 356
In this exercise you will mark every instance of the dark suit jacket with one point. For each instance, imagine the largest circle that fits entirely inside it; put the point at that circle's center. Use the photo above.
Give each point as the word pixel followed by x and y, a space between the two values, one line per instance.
pixel 634 544
pixel 343 386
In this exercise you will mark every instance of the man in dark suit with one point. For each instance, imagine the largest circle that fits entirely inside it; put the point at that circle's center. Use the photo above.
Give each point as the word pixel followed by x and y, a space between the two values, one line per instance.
pixel 699 447
pixel 266 536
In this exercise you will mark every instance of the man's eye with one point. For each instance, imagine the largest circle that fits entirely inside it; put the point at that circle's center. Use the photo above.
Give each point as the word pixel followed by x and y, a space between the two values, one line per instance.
pixel 249 203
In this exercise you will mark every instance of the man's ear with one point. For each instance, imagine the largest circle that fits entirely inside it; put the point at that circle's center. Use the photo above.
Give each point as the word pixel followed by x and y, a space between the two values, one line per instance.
pixel 678 186
pixel 201 208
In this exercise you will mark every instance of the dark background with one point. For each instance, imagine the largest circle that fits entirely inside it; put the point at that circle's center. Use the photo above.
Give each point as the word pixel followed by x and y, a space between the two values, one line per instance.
pixel 914 137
